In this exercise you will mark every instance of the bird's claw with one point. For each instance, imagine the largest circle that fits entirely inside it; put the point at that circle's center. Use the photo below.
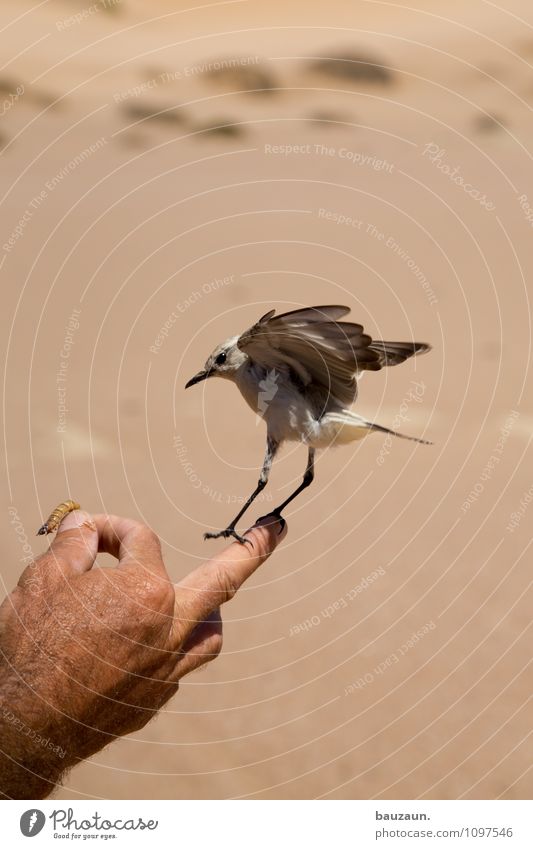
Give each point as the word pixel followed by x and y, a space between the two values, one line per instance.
pixel 228 532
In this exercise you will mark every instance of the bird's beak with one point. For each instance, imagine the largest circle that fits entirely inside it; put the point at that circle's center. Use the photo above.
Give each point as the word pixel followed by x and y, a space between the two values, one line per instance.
pixel 202 375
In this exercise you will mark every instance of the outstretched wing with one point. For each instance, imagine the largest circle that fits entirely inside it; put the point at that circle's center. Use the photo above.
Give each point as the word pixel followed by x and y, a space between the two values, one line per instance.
pixel 319 348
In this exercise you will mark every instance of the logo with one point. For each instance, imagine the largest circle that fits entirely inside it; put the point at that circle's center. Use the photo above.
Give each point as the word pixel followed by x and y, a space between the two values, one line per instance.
pixel 269 389
pixel 32 822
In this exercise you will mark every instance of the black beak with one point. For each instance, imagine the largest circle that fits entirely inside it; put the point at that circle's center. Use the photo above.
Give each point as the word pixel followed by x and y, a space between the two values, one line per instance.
pixel 202 375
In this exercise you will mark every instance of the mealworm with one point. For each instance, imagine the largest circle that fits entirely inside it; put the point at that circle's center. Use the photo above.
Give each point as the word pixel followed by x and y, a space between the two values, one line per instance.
pixel 57 516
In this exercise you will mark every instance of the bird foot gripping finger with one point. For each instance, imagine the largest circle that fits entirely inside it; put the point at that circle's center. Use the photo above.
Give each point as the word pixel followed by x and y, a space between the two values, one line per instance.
pixel 56 517
pixel 228 532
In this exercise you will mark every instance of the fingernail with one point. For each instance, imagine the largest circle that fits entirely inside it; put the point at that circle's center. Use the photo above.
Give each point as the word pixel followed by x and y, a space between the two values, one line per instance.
pixel 76 519
pixel 271 520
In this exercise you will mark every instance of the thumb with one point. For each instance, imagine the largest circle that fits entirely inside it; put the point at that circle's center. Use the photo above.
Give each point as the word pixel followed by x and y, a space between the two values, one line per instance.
pixel 76 543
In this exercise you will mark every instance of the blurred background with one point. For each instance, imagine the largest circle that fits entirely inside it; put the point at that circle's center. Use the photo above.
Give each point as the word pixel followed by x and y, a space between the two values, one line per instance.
pixel 170 171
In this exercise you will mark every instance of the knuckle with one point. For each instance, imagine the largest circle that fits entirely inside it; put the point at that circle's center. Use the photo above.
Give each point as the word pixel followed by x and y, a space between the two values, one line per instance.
pixel 151 537
pixel 145 534
pixel 167 596
pixel 157 594
pixel 224 584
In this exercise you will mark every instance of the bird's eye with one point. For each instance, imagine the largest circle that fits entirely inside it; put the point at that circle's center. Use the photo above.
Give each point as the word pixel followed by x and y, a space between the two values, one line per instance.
pixel 221 359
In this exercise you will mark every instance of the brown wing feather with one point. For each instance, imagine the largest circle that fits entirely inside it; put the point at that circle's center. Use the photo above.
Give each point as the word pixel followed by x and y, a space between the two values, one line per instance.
pixel 394 353
pixel 314 343
pixel 325 353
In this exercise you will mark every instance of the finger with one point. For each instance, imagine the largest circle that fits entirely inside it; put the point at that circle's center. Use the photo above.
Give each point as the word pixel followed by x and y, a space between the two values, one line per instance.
pixel 133 544
pixel 217 581
pixel 202 646
pixel 194 644
pixel 75 545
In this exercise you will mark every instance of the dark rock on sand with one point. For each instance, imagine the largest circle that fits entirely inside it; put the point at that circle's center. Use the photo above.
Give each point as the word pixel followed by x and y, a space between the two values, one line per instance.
pixel 353 67
pixel 161 115
pixel 488 123
pixel 328 119
pixel 220 127
pixel 248 78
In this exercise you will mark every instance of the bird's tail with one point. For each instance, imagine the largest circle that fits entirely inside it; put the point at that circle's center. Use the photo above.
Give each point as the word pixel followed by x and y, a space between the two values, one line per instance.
pixel 382 429
pixel 344 426
pixel 394 353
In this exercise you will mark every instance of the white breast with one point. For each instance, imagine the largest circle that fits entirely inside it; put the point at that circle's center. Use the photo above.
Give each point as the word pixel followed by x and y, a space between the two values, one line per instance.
pixel 273 397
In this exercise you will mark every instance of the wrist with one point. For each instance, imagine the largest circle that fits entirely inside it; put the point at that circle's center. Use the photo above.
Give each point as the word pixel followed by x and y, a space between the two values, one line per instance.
pixel 33 748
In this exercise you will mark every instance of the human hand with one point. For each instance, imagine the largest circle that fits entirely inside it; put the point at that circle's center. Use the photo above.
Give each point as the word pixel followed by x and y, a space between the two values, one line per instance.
pixel 87 655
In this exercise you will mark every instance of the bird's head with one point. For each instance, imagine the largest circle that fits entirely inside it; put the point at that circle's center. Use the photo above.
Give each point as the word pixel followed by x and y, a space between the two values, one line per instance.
pixel 225 361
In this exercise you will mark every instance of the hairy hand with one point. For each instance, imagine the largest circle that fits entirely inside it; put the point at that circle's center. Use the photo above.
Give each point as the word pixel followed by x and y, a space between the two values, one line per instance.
pixel 87 655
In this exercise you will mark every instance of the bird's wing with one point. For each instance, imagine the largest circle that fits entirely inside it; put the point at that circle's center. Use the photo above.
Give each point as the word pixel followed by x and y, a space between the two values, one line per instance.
pixel 319 348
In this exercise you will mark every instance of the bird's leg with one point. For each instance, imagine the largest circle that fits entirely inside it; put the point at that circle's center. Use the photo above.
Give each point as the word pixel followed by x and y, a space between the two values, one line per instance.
pixel 307 480
pixel 272 447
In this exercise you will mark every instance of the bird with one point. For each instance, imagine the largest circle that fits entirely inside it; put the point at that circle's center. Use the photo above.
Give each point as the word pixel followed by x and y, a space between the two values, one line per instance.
pixel 298 371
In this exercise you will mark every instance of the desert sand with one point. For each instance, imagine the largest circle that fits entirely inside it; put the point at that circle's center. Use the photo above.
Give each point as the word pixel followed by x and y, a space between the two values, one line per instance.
pixel 169 173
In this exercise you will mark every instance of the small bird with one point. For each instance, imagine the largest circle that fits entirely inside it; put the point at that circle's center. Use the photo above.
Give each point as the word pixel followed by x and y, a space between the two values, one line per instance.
pixel 299 371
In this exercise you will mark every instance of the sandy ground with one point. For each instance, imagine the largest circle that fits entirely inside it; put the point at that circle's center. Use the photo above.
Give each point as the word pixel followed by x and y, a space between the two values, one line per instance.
pixel 143 223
